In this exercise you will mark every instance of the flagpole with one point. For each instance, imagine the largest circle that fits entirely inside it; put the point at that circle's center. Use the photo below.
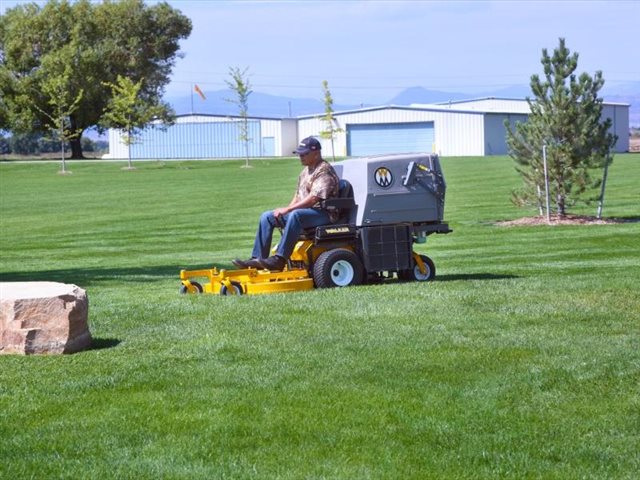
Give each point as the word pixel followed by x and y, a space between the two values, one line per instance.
pixel 191 99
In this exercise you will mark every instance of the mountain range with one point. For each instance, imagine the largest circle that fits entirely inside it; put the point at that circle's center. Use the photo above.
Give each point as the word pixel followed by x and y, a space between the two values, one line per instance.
pixel 266 105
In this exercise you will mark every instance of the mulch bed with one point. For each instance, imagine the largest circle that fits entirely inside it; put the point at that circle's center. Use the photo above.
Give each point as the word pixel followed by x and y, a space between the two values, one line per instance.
pixel 565 220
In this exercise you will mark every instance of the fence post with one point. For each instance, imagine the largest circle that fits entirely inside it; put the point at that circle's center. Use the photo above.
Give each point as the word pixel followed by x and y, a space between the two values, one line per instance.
pixel 546 180
pixel 604 183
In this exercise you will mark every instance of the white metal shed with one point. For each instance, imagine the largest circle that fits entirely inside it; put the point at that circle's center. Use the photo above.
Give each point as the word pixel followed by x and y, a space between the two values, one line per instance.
pixel 209 136
pixel 440 125
pixel 617 112
pixel 462 128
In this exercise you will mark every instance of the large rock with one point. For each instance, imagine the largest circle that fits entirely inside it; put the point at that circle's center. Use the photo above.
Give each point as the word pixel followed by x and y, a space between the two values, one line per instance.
pixel 43 317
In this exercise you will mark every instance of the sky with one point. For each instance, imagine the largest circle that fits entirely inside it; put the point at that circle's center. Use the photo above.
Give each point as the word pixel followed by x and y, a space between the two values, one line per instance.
pixel 371 50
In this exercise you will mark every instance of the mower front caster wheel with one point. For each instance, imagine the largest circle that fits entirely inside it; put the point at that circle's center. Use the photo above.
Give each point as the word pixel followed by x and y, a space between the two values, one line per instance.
pixel 195 287
pixel 415 275
pixel 337 268
pixel 236 289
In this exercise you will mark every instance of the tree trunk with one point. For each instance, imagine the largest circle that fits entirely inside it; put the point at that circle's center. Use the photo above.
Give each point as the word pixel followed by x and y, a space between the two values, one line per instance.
pixel 333 150
pixel 561 196
pixel 561 205
pixel 76 142
pixel 76 148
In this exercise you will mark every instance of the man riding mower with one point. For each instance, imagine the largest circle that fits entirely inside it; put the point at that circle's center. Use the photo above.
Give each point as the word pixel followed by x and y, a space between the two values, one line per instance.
pixel 384 205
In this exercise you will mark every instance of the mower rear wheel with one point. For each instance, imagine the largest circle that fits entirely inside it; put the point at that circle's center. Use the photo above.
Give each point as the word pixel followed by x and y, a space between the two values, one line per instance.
pixel 195 288
pixel 236 289
pixel 337 268
pixel 416 275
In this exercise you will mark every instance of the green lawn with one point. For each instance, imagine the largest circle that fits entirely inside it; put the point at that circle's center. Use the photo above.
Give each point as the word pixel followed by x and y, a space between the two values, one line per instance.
pixel 522 359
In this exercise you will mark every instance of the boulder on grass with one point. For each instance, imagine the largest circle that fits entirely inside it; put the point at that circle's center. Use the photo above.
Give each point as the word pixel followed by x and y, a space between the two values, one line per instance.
pixel 43 318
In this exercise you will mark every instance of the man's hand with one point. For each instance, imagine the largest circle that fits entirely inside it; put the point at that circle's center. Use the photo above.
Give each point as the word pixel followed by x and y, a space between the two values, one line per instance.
pixel 307 202
pixel 278 212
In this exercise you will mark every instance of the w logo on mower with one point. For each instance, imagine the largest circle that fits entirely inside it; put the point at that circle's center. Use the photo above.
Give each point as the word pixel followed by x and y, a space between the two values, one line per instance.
pixel 383 177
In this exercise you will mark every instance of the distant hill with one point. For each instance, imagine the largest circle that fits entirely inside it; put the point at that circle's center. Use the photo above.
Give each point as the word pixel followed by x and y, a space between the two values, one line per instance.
pixel 260 105
pixel 422 95
pixel 627 88
pixel 634 109
pixel 265 105
pixel 625 93
pixel 514 91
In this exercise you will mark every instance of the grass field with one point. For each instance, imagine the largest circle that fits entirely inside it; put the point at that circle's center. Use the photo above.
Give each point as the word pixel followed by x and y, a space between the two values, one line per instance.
pixel 522 359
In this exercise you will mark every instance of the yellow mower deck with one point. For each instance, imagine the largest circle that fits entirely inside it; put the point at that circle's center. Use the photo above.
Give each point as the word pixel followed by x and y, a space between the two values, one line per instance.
pixel 246 281
pixel 251 281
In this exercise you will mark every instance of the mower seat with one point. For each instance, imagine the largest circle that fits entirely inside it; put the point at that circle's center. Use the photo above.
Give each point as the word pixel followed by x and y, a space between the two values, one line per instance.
pixel 343 203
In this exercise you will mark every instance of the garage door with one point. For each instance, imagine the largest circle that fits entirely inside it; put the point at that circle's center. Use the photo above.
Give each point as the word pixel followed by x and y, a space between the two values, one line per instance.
pixel 378 138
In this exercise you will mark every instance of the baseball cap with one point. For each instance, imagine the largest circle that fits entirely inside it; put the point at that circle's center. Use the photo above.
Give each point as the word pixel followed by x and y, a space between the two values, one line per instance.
pixel 307 145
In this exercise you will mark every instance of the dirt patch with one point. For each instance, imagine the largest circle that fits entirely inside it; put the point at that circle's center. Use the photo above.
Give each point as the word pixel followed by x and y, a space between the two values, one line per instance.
pixel 565 220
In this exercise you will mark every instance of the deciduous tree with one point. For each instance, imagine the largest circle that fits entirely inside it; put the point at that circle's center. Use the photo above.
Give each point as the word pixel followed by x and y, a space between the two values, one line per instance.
pixel 566 116
pixel 62 104
pixel 130 111
pixel 330 126
pixel 4 114
pixel 106 39
pixel 240 84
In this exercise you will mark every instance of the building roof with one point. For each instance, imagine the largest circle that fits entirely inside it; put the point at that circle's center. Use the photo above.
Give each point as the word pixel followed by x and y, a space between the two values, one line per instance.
pixel 478 106
pixel 414 107
pixel 500 105
pixel 218 115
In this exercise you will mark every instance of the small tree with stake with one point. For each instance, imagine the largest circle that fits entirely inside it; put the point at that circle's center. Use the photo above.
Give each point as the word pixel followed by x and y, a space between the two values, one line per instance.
pixel 61 104
pixel 130 112
pixel 239 83
pixel 329 120
pixel 566 118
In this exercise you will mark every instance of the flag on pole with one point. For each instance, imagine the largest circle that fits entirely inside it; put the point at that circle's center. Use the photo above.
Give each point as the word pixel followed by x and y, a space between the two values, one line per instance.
pixel 199 92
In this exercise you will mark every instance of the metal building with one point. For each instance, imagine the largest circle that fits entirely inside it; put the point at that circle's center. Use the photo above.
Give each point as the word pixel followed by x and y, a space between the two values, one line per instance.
pixel 617 112
pixel 396 129
pixel 209 136
pixel 461 128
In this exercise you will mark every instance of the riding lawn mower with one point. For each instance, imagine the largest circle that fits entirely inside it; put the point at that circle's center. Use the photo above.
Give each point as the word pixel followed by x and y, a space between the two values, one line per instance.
pixel 386 203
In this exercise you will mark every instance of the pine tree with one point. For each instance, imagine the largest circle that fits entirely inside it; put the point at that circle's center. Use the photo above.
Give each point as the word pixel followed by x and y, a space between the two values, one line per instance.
pixel 565 119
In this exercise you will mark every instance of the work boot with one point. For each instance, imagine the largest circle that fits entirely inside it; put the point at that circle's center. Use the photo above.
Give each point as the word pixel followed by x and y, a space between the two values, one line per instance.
pixel 275 263
pixel 251 263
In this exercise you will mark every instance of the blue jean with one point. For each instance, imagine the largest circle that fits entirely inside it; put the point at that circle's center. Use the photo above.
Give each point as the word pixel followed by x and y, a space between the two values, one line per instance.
pixel 295 222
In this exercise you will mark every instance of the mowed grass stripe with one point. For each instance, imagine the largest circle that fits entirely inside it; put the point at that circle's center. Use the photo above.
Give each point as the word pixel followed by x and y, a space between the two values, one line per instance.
pixel 521 360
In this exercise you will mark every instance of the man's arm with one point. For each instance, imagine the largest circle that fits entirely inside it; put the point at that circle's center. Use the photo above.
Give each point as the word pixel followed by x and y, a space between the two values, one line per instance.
pixel 307 202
